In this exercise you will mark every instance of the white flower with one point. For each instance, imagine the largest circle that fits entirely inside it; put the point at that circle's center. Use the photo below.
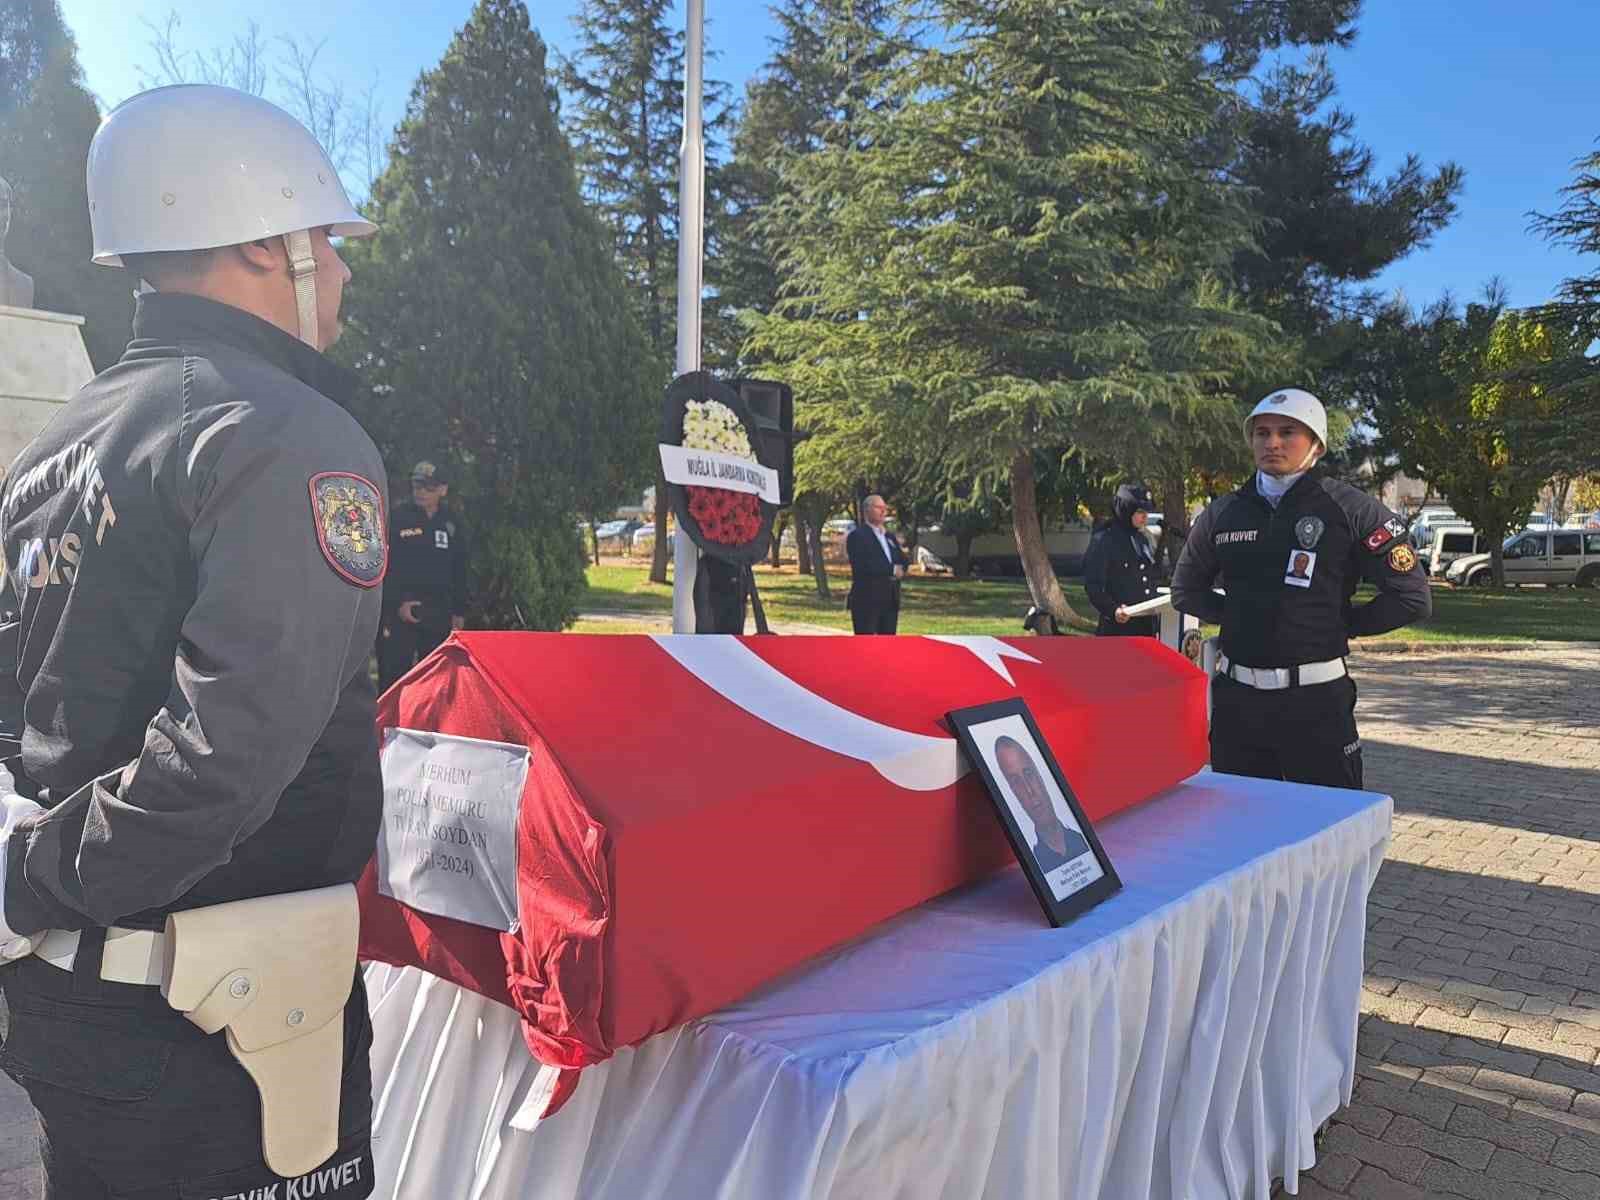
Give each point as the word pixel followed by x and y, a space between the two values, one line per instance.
pixel 709 425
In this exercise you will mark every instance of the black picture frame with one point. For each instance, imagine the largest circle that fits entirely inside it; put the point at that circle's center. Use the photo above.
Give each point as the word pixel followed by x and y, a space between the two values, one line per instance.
pixel 977 734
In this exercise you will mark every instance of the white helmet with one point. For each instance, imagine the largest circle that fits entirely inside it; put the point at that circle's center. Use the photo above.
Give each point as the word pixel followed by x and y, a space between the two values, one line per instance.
pixel 195 166
pixel 1292 402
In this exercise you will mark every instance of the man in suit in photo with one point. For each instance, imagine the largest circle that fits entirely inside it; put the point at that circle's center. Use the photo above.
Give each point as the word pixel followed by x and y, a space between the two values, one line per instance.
pixel 1054 843
pixel 877 565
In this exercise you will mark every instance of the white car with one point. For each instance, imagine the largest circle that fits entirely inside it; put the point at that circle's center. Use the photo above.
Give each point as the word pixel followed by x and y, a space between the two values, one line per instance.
pixel 1449 543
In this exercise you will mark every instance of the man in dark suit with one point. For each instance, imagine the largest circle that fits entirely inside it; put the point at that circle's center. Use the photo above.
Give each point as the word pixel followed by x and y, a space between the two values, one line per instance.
pixel 877 565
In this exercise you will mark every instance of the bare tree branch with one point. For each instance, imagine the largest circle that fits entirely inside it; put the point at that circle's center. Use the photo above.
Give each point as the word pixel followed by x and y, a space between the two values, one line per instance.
pixel 349 127
pixel 241 65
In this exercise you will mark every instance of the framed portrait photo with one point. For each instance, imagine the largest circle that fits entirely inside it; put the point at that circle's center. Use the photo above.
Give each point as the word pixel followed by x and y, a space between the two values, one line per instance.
pixel 1062 858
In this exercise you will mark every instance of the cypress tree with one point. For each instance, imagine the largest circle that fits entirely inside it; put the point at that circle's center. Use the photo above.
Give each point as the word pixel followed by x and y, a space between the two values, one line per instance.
pixel 493 323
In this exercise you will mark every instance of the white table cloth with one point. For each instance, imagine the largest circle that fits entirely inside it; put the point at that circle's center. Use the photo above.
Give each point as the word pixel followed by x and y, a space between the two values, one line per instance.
pixel 1183 1040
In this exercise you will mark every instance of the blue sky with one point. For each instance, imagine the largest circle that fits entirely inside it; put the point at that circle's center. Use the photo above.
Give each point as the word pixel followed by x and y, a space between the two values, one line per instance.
pixel 1505 90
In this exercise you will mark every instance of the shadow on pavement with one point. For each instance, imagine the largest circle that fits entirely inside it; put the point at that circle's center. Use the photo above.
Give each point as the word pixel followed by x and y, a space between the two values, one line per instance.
pixel 1537 797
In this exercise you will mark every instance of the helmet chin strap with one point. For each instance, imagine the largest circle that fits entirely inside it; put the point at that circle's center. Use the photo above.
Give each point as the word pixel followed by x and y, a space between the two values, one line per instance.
pixel 1306 463
pixel 303 270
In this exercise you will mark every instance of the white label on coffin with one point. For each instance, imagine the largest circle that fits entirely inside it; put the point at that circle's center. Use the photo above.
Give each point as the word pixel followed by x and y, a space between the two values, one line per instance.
pixel 448 845
pixel 707 468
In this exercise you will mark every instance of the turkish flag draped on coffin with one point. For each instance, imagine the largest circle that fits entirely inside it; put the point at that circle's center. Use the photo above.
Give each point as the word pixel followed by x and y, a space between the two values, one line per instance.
pixel 702 814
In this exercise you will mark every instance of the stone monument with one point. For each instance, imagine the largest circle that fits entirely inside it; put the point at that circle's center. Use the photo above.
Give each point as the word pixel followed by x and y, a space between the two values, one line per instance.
pixel 16 289
pixel 43 361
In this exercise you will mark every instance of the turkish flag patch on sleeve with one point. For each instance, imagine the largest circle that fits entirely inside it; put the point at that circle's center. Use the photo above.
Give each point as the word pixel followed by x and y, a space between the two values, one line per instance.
pixel 1383 535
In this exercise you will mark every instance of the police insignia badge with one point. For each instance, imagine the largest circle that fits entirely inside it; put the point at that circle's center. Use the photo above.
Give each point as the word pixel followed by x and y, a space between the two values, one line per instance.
pixel 1308 531
pixel 348 514
pixel 1402 558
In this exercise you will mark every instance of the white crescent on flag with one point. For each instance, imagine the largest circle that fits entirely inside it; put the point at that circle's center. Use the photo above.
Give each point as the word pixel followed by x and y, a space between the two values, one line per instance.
pixel 910 760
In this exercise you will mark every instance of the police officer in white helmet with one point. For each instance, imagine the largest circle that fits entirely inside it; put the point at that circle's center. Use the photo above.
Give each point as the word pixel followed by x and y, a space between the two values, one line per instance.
pixel 195 548
pixel 1290 548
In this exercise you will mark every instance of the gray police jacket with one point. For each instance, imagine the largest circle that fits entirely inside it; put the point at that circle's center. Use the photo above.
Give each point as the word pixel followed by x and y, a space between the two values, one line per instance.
pixel 194 546
pixel 1290 572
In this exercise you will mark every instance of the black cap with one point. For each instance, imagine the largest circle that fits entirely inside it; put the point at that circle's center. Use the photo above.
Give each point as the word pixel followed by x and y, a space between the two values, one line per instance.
pixel 427 472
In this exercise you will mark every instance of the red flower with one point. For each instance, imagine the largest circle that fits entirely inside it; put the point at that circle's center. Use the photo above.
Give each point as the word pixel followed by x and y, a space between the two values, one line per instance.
pixel 726 517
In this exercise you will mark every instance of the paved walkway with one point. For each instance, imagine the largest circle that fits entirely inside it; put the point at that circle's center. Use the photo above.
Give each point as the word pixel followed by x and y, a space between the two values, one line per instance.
pixel 1481 1011
pixel 1481 1015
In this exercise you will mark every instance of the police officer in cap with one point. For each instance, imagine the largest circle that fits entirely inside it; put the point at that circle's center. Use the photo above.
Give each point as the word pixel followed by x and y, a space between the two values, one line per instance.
pixel 425 593
pixel 1120 568
pixel 1290 547
pixel 196 545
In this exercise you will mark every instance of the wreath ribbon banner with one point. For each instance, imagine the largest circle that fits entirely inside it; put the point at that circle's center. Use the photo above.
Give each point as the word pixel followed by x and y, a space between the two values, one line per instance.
pixel 707 468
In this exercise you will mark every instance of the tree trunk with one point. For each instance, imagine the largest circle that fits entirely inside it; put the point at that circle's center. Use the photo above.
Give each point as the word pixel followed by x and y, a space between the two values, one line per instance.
pixel 658 556
pixel 963 566
pixel 778 522
pixel 814 515
pixel 819 566
pixel 1497 563
pixel 802 543
pixel 1042 583
pixel 1174 519
pixel 594 538
pixel 909 529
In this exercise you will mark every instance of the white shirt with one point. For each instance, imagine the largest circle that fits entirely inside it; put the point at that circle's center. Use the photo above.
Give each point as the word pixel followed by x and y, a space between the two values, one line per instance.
pixel 883 540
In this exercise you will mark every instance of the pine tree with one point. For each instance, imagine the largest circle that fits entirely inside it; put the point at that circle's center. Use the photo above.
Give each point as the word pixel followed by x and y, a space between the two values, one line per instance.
pixel 1021 239
pixel 818 79
pixel 493 323
pixel 47 120
pixel 825 59
pixel 625 119
pixel 1573 381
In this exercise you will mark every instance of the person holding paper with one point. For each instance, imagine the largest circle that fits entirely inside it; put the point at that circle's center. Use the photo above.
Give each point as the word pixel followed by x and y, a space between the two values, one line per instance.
pixel 1120 569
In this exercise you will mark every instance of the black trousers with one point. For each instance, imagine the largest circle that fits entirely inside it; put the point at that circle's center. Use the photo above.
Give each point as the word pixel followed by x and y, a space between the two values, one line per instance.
pixel 136 1103
pixel 1132 627
pixel 1301 734
pixel 875 606
pixel 405 646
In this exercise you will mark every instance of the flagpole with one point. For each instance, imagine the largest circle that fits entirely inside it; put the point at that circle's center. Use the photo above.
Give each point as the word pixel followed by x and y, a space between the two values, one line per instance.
pixel 691 261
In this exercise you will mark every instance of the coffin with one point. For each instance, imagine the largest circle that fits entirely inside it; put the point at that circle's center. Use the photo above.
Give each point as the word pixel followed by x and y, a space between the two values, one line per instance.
pixel 702 814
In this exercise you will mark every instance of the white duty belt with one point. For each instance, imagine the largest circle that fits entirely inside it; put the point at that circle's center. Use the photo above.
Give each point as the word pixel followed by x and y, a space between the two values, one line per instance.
pixel 1270 678
pixel 274 973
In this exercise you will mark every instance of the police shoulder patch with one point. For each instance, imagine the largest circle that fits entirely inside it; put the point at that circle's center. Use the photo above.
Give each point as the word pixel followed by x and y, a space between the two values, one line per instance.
pixel 1402 558
pixel 348 514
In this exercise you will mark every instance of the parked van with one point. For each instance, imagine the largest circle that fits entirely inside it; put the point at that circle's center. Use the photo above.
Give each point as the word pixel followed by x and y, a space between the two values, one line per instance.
pixel 1450 542
pixel 1537 556
pixel 1425 522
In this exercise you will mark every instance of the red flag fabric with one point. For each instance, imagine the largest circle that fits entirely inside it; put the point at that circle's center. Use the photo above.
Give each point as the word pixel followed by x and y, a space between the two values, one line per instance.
pixel 704 813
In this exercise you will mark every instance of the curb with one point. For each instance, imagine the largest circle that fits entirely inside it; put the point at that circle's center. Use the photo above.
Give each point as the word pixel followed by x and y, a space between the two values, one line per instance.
pixel 1502 647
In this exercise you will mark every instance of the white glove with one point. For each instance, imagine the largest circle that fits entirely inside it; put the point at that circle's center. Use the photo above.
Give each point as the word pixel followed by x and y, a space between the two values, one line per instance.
pixel 13 809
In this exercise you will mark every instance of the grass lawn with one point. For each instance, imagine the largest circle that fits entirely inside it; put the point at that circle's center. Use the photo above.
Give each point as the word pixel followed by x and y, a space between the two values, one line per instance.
pixel 938 605
pixel 928 605
pixel 1521 614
